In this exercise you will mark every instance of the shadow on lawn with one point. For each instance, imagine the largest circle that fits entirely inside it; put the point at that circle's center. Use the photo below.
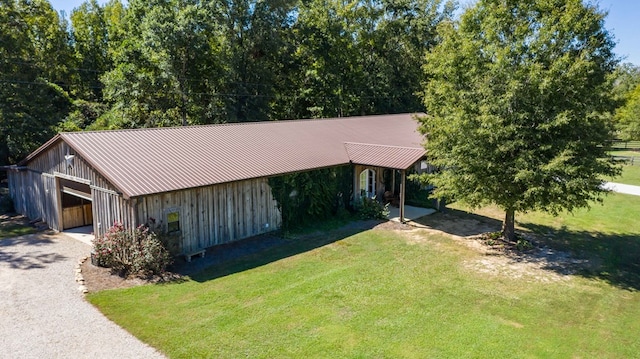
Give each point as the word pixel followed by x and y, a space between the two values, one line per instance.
pixel 617 256
pixel 612 258
pixel 460 223
pixel 223 260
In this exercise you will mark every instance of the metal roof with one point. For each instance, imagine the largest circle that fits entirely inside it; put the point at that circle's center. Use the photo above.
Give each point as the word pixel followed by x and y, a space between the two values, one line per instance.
pixel 383 156
pixel 154 160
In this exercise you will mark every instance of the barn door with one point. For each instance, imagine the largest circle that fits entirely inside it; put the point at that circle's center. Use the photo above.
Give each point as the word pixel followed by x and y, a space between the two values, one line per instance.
pixel 50 212
pixel 76 204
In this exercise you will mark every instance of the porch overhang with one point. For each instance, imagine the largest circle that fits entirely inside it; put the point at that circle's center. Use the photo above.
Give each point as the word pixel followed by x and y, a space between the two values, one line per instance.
pixel 394 157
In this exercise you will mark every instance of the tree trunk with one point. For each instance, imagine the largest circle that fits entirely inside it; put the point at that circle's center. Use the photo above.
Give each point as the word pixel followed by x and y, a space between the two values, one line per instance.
pixel 508 226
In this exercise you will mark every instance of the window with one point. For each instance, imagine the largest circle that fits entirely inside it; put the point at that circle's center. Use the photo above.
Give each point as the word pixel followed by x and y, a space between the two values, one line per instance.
pixel 368 183
pixel 173 221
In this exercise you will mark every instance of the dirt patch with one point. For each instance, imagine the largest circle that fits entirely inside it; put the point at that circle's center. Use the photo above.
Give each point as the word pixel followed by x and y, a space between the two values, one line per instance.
pixel 539 263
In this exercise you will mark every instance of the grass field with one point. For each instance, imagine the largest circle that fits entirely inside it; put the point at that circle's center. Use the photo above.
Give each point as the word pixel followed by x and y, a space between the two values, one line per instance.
pixel 608 232
pixel 401 294
pixel 630 172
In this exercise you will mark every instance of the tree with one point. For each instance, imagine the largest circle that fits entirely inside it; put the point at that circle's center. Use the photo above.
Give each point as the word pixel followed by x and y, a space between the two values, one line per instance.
pixel 361 57
pixel 91 43
pixel 517 95
pixel 626 92
pixel 252 37
pixel 166 67
pixel 628 117
pixel 625 79
pixel 33 68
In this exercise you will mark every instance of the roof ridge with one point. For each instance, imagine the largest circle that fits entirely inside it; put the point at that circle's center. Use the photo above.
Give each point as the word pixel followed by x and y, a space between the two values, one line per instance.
pixel 230 124
pixel 386 146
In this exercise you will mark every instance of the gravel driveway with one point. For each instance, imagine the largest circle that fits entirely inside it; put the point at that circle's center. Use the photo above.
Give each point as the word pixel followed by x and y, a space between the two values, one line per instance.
pixel 42 314
pixel 622 188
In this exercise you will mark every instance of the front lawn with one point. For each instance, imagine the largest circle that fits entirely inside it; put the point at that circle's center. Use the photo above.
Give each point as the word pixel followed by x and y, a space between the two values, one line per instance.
pixel 608 233
pixel 396 294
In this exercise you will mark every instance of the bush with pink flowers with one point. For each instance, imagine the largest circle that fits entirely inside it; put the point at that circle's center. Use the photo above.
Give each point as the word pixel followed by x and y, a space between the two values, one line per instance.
pixel 131 251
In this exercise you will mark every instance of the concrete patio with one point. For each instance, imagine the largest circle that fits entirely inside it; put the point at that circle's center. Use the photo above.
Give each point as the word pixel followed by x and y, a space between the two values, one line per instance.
pixel 82 234
pixel 410 213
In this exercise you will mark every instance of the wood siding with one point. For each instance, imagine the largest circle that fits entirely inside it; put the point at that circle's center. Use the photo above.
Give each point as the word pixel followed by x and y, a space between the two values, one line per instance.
pixel 77 216
pixel 209 215
pixel 36 192
pixel 109 207
pixel 27 189
pixel 52 161
pixel 215 214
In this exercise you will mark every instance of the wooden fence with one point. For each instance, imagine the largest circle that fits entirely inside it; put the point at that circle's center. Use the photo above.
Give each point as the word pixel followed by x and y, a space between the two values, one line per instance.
pixel 625 145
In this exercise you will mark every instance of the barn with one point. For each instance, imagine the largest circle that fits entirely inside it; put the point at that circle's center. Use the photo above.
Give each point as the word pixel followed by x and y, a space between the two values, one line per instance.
pixel 209 184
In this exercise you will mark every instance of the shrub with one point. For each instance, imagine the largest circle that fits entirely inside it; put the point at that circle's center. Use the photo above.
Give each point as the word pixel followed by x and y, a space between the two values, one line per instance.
pixel 131 251
pixel 307 197
pixel 6 204
pixel 523 245
pixel 370 208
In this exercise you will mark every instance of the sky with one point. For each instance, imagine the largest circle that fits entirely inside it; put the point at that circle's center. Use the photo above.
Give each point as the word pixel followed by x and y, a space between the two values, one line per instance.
pixel 623 22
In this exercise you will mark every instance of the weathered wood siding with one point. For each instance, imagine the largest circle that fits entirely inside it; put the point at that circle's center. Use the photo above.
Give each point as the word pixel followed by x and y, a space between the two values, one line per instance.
pixel 109 207
pixel 51 202
pixel 53 161
pixel 27 189
pixel 215 214
pixel 36 192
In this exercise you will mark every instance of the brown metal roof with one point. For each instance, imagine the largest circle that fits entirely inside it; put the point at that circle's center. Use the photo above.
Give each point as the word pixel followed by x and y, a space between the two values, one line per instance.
pixel 383 156
pixel 145 161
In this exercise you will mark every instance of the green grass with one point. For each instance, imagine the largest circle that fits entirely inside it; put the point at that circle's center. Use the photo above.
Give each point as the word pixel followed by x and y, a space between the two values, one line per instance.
pixel 630 174
pixel 384 294
pixel 626 153
pixel 608 233
pixel 13 230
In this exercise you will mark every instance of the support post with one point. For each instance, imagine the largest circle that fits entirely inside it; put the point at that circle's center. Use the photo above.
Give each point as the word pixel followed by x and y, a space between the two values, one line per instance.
pixel 393 182
pixel 402 194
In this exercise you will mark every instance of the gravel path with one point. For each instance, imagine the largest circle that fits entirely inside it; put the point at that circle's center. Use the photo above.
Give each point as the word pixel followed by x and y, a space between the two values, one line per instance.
pixel 42 314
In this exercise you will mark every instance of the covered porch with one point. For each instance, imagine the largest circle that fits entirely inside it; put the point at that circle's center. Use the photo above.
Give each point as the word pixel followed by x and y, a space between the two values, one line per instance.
pixel 381 172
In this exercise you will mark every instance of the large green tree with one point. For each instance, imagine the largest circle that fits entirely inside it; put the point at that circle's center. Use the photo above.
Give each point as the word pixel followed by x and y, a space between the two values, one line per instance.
pixel 35 59
pixel 628 116
pixel 517 96
pixel 166 66
pixel 360 57
pixel 91 44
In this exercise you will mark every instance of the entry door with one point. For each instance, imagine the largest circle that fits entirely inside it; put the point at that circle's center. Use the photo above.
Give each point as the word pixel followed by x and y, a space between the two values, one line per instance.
pixel 368 183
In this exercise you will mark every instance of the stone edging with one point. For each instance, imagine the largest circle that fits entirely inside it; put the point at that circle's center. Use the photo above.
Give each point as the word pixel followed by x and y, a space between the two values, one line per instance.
pixel 79 278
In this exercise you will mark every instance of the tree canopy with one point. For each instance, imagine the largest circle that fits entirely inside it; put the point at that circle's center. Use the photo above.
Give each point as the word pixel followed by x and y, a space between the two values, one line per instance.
pixel 628 116
pixel 179 62
pixel 627 94
pixel 518 98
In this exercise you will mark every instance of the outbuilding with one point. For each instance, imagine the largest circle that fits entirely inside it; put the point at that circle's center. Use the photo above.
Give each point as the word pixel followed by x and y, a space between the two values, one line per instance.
pixel 209 184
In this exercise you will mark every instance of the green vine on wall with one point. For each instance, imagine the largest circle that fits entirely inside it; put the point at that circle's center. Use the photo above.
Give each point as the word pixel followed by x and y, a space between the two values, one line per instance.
pixel 306 197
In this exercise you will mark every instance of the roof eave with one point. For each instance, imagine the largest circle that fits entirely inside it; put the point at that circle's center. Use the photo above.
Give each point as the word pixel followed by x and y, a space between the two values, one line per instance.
pixel 39 150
